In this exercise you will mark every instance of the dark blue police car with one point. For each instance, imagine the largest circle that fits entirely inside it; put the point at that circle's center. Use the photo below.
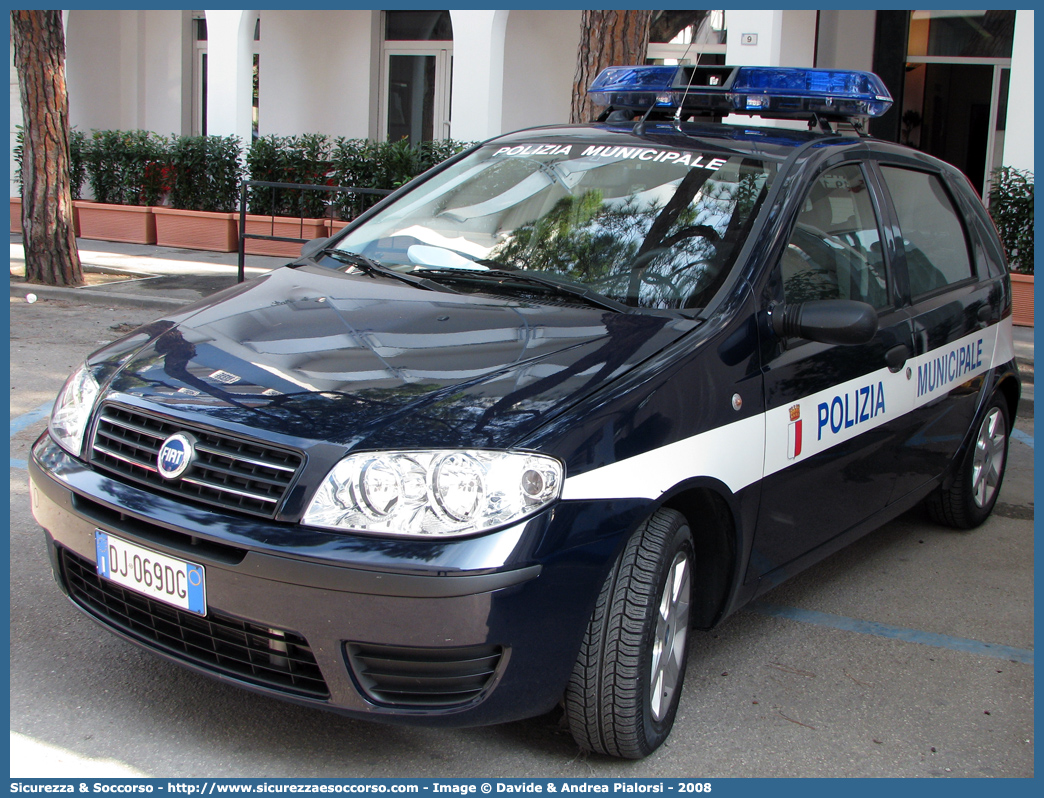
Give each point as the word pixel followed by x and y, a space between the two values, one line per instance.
pixel 508 438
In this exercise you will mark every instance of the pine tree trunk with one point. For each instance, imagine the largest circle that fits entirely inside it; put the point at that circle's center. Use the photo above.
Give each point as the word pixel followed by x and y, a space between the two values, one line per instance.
pixel 51 257
pixel 607 38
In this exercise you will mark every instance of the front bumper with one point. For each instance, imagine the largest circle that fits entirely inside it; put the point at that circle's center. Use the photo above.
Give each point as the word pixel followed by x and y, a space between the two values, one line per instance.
pixel 501 614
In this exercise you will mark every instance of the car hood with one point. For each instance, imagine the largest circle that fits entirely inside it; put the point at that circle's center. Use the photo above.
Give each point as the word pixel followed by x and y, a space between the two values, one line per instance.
pixel 372 363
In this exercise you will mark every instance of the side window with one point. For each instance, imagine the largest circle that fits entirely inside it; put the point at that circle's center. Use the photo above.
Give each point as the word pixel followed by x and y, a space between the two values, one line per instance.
pixel 834 251
pixel 934 239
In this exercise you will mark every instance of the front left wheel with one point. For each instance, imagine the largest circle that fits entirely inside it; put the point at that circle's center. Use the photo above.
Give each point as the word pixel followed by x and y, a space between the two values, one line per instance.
pixel 624 691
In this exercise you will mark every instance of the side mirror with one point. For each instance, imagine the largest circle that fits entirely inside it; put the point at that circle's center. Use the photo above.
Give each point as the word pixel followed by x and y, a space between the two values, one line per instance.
pixel 828 321
pixel 309 248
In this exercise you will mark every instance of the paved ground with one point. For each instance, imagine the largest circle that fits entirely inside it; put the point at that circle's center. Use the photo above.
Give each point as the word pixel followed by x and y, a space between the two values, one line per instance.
pixel 908 654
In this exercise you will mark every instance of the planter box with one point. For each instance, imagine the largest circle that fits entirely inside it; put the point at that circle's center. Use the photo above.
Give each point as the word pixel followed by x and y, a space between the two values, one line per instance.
pixel 1022 299
pixel 16 216
pixel 214 232
pixel 335 226
pixel 281 226
pixel 131 224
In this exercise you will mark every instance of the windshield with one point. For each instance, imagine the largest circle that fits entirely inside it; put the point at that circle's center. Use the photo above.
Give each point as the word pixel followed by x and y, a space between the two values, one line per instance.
pixel 649 227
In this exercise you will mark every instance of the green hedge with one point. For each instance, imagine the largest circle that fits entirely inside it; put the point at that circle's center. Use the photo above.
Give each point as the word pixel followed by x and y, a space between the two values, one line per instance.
pixel 77 140
pixel 289 159
pixel 125 167
pixel 313 159
pixel 360 163
pixel 1011 206
pixel 204 173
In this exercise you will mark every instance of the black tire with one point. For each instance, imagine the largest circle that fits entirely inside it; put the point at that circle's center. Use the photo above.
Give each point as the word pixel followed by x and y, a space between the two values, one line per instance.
pixel 970 499
pixel 609 702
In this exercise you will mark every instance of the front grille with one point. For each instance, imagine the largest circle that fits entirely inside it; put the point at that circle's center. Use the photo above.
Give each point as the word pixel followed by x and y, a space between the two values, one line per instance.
pixel 422 677
pixel 228 472
pixel 272 658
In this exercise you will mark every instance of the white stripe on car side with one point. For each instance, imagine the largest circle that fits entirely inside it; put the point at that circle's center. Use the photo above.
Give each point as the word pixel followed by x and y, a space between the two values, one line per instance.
pixel 745 451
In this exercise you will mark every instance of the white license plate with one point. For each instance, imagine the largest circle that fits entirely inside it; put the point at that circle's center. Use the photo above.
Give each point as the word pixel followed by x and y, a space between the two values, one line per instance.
pixel 152 574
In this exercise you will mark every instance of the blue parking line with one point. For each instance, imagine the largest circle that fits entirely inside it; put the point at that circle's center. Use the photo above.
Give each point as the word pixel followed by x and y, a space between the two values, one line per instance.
pixel 1022 437
pixel 26 420
pixel 895 632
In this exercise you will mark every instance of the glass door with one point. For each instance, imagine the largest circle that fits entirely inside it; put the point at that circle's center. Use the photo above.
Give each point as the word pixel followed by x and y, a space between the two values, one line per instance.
pixel 955 94
pixel 416 61
pixel 953 111
pixel 416 95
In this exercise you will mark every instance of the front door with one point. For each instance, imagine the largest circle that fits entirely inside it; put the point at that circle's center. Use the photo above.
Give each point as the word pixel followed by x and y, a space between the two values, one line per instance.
pixel 831 408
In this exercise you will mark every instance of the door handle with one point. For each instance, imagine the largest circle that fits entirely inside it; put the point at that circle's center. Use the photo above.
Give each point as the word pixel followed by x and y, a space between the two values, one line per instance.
pixel 897 356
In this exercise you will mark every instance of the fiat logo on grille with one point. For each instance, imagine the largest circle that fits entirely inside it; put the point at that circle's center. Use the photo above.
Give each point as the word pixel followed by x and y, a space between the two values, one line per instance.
pixel 176 455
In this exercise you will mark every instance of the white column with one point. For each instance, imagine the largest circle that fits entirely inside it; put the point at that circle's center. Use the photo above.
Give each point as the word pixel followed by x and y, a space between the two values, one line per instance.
pixel 230 73
pixel 771 38
pixel 1018 129
pixel 478 74
pixel 846 39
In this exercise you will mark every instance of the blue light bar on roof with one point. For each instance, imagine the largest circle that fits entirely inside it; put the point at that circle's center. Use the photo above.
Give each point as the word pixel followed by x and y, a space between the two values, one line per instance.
pixel 641 87
pixel 767 91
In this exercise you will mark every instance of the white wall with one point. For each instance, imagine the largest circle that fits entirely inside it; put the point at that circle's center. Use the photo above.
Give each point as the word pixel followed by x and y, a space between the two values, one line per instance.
pixel 784 38
pixel 846 39
pixel 781 38
pixel 1018 134
pixel 316 73
pixel 95 83
pixel 539 66
pixel 477 99
pixel 126 70
pixel 165 93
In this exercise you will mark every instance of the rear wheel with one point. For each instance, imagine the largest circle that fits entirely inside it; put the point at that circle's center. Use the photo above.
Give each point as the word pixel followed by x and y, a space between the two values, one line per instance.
pixel 624 691
pixel 970 499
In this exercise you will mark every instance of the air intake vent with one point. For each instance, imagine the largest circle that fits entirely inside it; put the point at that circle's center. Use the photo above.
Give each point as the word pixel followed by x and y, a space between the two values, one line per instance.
pixel 422 677
pixel 228 472
pixel 273 658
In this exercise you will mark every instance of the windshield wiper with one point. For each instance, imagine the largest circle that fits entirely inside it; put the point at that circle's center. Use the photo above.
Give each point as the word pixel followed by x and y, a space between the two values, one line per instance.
pixel 372 267
pixel 557 287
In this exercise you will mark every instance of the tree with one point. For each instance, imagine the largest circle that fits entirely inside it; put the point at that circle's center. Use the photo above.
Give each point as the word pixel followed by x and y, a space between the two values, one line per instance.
pixel 607 38
pixel 48 235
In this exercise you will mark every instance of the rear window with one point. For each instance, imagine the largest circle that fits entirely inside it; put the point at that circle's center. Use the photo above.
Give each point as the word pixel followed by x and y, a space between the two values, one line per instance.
pixel 933 236
pixel 650 226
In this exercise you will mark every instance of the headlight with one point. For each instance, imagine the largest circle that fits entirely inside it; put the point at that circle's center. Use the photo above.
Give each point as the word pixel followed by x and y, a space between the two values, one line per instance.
pixel 72 408
pixel 434 493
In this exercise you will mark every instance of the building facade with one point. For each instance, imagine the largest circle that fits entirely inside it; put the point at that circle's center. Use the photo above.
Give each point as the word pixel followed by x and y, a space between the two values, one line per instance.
pixel 469 75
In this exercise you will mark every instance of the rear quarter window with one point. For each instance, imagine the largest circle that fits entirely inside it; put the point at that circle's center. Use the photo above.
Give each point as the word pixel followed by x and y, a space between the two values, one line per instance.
pixel 933 234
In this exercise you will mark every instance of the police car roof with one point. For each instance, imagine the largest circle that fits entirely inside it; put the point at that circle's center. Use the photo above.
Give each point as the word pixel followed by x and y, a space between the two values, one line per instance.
pixel 766 143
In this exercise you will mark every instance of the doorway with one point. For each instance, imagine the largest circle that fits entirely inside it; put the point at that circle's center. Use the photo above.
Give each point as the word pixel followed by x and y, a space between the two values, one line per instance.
pixel 416 96
pixel 416 76
pixel 955 111
pixel 956 88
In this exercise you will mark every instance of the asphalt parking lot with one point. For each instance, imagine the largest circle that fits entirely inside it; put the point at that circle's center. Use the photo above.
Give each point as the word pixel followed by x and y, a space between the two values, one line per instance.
pixel 909 654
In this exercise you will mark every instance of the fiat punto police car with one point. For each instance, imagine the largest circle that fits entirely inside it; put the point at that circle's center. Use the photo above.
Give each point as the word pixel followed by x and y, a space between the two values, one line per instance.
pixel 521 427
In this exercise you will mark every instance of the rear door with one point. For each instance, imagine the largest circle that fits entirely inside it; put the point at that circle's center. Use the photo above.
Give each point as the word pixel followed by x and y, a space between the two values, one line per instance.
pixel 954 310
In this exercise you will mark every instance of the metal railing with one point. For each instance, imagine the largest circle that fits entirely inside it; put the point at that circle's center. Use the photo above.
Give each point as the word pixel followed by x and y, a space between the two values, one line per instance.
pixel 260 184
